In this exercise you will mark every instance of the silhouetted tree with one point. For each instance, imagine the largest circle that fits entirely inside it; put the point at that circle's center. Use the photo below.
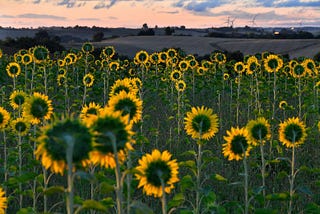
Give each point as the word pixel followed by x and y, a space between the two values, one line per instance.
pixel 169 31
pixel 98 37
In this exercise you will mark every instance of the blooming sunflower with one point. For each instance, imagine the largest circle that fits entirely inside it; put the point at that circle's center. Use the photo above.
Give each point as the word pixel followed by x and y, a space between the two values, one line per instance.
pixel 292 132
pixel 4 118
pixel 201 123
pixel 128 104
pixel 154 58
pixel 88 80
pixel 259 130
pixel 183 65
pixel 273 63
pixel 108 52
pixel 172 52
pixel 175 75
pixel 20 126
pixel 180 85
pixel 298 70
pixel 310 67
pixel 163 56
pixel 3 201
pixel 91 109
pixel 283 104
pixel 13 69
pixel 108 128
pixel 61 79
pixel 157 169
pixel 253 65
pixel 193 63
pixel 26 59
pixel 141 57
pixel 218 57
pixel 123 84
pixel 226 76
pixel 37 107
pixel 17 98
pixel 239 67
pixel 201 70
pixel 40 54
pixel 87 47
pixel 237 144
pixel 114 65
pixel 63 138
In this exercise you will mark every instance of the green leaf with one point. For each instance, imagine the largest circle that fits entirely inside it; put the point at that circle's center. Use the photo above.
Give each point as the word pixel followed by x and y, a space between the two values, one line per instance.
pixel 219 177
pixel 312 208
pixel 186 183
pixel 84 175
pixel 106 188
pixel 189 164
pixel 93 205
pixel 189 152
pixel 304 190
pixel 265 211
pixel 138 207
pixel 53 190
pixel 28 210
pixel 176 201
pixel 277 196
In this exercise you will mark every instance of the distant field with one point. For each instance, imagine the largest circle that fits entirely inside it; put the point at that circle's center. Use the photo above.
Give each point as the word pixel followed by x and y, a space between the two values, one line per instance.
pixel 205 45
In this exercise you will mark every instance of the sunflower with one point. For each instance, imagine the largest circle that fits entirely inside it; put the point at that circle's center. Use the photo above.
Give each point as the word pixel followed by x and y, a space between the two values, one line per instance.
pixel 154 58
pixel 172 62
pixel 13 69
pixel 156 170
pixel 310 67
pixel 20 126
pixel 88 80
pixel 226 76
pixel 141 57
pixel 63 138
pixel 71 58
pixel 87 47
pixel 171 52
pixel 91 109
pixel 175 75
pixel 298 70
pixel 218 57
pixel 183 65
pixel 61 80
pixel 136 83
pixel 17 57
pixel 239 67
pixel 37 107
pixel 40 54
pixel 253 65
pixel 237 144
pixel 4 118
pixel 283 104
pixel 3 201
pixel 259 130
pixel 292 132
pixel 111 131
pixel 163 56
pixel 128 104
pixel 61 62
pixel 114 65
pixel 123 84
pixel 180 85
pixel 201 70
pixel 108 52
pixel 273 63
pixel 26 59
pixel 17 98
pixel 201 123
pixel 1 53
pixel 193 63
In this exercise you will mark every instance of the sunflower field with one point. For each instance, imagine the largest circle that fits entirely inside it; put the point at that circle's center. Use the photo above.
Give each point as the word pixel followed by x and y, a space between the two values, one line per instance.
pixel 164 132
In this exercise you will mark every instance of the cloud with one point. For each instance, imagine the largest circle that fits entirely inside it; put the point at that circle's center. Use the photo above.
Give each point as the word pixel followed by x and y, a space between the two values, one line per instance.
pixel 169 12
pixel 41 16
pixel 89 19
pixel 6 17
pixel 289 3
pixel 67 3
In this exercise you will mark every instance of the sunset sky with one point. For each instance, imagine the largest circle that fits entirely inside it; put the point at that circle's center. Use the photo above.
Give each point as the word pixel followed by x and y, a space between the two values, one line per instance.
pixel 163 13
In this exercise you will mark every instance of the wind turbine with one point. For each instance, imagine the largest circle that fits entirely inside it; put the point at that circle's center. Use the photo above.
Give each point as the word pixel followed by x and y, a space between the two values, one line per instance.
pixel 253 20
pixel 232 21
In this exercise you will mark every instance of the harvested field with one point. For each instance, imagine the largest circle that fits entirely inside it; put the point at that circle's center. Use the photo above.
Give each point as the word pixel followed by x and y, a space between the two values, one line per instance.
pixel 205 45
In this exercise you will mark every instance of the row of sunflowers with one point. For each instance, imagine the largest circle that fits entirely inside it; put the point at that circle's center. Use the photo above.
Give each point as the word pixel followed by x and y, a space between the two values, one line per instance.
pixel 162 131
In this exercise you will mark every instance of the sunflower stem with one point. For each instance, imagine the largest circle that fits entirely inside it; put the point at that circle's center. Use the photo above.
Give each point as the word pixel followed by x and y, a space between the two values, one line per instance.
pixel 291 178
pixel 198 178
pixel 163 198
pixel 246 198
pixel 263 169
pixel 69 157
pixel 20 169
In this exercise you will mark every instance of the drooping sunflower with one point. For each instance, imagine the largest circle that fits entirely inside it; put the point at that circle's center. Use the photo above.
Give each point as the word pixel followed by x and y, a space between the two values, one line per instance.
pixel 128 104
pixel 157 169
pixel 17 98
pixel 201 123
pixel 273 63
pixel 88 80
pixel 20 126
pixel 4 118
pixel 40 54
pixel 180 85
pixel 37 108
pixel 61 139
pixel 292 132
pixel 123 84
pixel 259 130
pixel 141 57
pixel 91 109
pixel 3 201
pixel 175 75
pixel 61 80
pixel 13 69
pixel 238 144
pixel 110 129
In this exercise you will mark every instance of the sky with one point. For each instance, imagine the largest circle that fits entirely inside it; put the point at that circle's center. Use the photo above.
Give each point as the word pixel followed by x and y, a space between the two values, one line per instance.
pixel 161 13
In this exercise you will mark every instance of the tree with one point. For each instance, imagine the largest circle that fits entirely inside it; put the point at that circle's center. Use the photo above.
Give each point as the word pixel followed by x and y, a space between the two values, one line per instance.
pixel 98 37
pixel 169 31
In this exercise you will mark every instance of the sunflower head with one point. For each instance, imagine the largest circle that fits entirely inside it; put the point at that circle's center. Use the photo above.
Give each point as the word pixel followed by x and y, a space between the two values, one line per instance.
pixel 88 80
pixel 239 67
pixel 201 123
pixel 273 63
pixel 175 75
pixel 141 57
pixel 180 85
pixel 259 130
pixel 125 85
pixel 183 65
pixel 37 108
pixel 40 54
pixel 238 144
pixel 4 118
pixel 128 104
pixel 20 126
pixel 108 52
pixel 87 47
pixel 283 105
pixel 68 138
pixel 292 132
pixel 26 59
pixel 17 99
pixel 13 69
pixel 157 170
pixel 298 70
pixel 87 111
